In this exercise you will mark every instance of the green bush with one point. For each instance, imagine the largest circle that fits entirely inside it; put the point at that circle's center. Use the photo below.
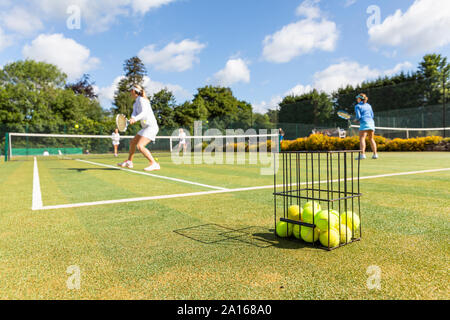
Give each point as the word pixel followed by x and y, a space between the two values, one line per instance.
pixel 319 142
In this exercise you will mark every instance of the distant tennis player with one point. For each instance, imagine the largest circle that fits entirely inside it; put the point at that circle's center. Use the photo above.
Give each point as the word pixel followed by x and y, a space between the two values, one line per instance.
pixel 142 112
pixel 182 137
pixel 115 141
pixel 364 114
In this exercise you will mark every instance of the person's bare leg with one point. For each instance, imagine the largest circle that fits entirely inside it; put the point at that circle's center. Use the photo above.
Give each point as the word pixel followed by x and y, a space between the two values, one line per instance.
pixel 132 151
pixel 373 144
pixel 142 142
pixel 116 147
pixel 362 141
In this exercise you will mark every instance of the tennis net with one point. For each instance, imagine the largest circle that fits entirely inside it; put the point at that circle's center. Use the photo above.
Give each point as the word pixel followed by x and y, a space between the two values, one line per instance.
pixel 25 146
pixel 406 133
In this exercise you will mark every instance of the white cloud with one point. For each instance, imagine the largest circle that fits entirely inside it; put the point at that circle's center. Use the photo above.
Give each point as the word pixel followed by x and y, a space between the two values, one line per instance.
pixel 176 57
pixel 97 16
pixel 153 87
pixel 351 73
pixel 342 74
pixel 349 3
pixel 309 9
pixel 143 6
pixel 314 32
pixel 298 90
pixel 263 106
pixel 236 70
pixel 71 57
pixel 423 27
pixel 5 40
pixel 106 94
pixel 334 77
pixel 21 21
pixel 398 68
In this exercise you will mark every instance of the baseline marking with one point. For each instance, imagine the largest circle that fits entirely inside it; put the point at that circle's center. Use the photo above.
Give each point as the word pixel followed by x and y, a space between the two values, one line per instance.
pixel 152 175
pixel 37 195
pixel 194 194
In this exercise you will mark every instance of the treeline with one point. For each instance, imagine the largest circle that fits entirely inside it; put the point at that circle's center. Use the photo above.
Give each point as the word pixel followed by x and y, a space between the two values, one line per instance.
pixel 35 97
pixel 425 87
pixel 216 106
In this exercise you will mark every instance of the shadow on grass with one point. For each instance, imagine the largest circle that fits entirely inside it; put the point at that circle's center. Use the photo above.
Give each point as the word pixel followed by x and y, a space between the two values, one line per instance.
pixel 85 169
pixel 253 236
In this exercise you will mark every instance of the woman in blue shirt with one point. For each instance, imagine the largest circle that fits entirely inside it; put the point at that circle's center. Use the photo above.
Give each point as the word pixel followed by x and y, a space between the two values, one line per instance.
pixel 364 114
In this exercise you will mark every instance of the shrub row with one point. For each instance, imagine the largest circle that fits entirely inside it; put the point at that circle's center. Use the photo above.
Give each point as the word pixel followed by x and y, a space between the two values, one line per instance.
pixel 319 142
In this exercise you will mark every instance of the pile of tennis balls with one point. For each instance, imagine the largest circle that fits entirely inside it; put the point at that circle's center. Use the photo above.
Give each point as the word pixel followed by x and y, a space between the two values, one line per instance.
pixel 321 219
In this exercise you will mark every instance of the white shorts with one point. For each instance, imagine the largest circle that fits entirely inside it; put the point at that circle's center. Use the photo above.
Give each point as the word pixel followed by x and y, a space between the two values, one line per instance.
pixel 116 143
pixel 149 133
pixel 183 142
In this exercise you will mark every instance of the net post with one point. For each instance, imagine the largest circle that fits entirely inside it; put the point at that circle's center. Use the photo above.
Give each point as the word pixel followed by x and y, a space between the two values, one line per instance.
pixel 6 146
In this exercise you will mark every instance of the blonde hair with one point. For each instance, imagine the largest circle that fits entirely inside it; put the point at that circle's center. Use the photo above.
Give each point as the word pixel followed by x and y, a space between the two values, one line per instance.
pixel 140 91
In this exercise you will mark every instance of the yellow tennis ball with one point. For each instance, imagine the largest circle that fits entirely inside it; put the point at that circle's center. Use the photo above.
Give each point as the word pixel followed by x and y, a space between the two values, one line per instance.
pixel 346 234
pixel 325 220
pixel 309 210
pixel 284 229
pixel 351 219
pixel 156 159
pixel 307 234
pixel 332 235
pixel 76 126
pixel 294 213
pixel 296 231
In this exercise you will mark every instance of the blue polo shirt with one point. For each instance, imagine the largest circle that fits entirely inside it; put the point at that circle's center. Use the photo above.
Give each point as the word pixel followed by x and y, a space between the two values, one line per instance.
pixel 364 112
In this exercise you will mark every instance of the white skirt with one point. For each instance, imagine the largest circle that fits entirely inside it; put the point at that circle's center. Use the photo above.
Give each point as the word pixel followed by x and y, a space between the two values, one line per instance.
pixel 115 143
pixel 149 133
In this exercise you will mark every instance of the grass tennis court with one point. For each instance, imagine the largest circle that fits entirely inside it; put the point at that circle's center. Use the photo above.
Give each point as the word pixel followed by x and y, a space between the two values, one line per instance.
pixel 210 239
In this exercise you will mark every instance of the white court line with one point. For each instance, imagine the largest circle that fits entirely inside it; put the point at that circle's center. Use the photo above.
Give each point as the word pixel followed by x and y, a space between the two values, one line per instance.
pixel 153 175
pixel 37 196
pixel 194 194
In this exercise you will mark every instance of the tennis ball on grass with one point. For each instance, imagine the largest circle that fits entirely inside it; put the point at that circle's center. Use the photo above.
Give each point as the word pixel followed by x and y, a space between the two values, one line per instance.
pixel 295 213
pixel 284 229
pixel 323 219
pixel 309 209
pixel 333 237
pixel 307 234
pixel 346 234
pixel 348 217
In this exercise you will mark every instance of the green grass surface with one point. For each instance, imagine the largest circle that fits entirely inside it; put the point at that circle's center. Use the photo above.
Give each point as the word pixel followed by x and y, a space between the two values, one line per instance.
pixel 187 248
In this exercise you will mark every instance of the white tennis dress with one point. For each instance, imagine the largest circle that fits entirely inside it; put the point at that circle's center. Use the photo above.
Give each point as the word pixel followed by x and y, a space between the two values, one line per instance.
pixel 142 111
pixel 115 139
pixel 182 138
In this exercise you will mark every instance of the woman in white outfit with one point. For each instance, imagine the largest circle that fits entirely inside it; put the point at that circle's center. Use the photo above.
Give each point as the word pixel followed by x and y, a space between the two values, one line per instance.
pixel 182 138
pixel 115 141
pixel 142 112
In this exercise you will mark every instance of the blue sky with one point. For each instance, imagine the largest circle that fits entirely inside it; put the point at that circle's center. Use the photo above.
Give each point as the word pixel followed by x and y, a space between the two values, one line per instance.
pixel 262 49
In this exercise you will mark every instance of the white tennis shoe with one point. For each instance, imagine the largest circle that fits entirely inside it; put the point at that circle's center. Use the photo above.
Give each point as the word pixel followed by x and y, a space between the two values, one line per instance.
pixel 126 164
pixel 153 167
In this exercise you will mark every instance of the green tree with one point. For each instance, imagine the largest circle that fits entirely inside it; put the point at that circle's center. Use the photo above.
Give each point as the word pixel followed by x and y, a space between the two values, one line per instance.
pixel 134 71
pixel 163 105
pixel 314 107
pixel 436 69
pixel 224 111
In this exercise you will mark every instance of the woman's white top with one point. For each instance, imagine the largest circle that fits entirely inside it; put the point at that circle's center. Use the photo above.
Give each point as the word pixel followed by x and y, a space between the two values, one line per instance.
pixel 182 137
pixel 142 111
pixel 115 137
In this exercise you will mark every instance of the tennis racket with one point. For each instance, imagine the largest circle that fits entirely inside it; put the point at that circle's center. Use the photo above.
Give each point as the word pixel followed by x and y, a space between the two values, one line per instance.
pixel 344 115
pixel 122 122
